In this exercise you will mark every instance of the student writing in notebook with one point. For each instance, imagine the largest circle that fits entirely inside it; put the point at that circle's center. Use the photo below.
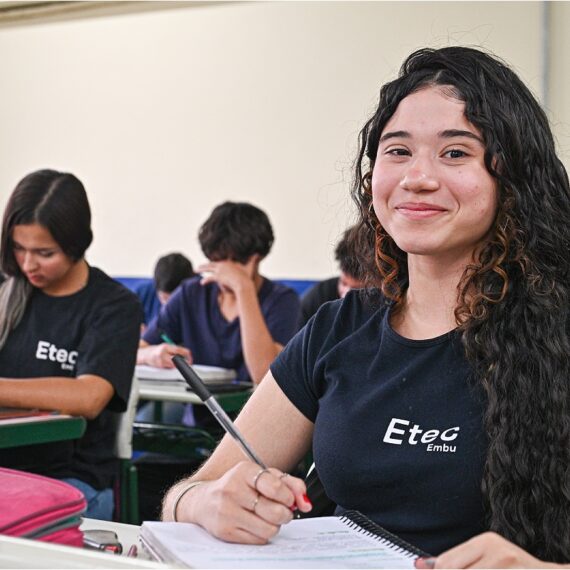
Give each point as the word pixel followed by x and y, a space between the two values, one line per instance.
pixel 438 406
pixel 68 334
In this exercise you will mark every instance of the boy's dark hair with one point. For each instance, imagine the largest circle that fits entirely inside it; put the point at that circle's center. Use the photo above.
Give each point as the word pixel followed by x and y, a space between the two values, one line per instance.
pixel 236 231
pixel 170 270
pixel 354 253
pixel 55 200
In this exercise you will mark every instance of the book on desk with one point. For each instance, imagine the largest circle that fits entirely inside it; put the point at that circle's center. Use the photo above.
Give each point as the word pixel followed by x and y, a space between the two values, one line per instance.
pixel 208 374
pixel 219 380
pixel 349 541
pixel 11 413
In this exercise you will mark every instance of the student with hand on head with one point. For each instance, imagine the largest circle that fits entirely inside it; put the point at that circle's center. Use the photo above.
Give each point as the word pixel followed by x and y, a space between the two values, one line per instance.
pixel 439 405
pixel 353 255
pixel 230 316
pixel 68 334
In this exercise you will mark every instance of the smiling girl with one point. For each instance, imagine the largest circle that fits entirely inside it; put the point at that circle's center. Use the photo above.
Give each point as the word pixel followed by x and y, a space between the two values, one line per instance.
pixel 437 404
pixel 68 333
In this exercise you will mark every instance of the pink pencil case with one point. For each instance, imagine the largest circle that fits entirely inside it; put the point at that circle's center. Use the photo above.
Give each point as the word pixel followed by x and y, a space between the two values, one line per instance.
pixel 38 507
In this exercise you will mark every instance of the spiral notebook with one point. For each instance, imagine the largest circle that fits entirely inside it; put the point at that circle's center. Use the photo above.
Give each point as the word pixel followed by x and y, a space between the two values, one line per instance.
pixel 349 541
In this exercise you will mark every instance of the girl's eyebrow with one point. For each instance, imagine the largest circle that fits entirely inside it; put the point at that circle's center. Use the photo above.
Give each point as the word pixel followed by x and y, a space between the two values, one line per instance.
pixel 446 134
pixel 395 134
pixel 36 249
pixel 452 133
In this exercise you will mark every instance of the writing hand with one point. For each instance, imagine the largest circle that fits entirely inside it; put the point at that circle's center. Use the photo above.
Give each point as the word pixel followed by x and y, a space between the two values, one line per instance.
pixel 487 550
pixel 240 508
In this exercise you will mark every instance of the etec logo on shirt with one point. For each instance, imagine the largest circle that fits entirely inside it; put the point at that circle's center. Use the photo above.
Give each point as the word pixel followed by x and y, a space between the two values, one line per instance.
pixel 48 351
pixel 398 432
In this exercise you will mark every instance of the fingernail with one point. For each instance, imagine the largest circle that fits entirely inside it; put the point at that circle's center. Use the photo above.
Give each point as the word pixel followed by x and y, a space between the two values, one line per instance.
pixel 307 500
pixel 425 563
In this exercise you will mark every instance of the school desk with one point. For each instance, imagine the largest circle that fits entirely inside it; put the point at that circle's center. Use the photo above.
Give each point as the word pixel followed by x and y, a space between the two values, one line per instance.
pixel 26 553
pixel 15 432
pixel 231 401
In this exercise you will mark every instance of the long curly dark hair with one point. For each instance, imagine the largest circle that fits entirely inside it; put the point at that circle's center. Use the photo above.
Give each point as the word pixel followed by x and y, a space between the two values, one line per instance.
pixel 512 312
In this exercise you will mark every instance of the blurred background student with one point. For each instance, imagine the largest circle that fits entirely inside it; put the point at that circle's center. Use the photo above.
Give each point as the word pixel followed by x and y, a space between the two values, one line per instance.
pixel 169 271
pixel 353 254
pixel 68 334
pixel 230 316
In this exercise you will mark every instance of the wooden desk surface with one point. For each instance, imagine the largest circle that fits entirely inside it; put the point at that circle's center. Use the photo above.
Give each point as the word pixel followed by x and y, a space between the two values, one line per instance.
pixel 40 429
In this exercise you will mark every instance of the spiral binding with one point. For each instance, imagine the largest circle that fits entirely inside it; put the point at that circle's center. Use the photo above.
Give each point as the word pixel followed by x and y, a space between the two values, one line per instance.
pixel 362 523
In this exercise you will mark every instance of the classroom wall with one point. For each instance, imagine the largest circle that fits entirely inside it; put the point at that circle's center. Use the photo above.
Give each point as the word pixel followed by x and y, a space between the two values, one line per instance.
pixel 558 108
pixel 165 114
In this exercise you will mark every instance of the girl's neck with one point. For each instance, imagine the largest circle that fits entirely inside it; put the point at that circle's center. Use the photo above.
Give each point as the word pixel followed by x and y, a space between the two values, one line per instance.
pixel 75 280
pixel 427 310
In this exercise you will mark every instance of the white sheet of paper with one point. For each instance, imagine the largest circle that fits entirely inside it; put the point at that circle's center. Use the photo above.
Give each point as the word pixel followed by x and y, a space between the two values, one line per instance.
pixel 322 542
pixel 206 373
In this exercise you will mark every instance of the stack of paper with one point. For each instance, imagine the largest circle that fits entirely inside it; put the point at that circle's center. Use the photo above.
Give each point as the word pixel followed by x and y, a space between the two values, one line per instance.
pixel 208 374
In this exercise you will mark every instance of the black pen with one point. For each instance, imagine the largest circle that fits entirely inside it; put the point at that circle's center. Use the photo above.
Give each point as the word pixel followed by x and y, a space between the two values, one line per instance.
pixel 195 382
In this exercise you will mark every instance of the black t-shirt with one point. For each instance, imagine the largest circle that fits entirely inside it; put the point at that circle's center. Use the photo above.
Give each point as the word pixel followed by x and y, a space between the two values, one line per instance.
pixel 398 423
pixel 316 296
pixel 94 331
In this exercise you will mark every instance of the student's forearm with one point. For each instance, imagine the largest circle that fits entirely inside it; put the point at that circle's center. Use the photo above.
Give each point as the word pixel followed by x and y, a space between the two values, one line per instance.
pixel 259 348
pixel 86 396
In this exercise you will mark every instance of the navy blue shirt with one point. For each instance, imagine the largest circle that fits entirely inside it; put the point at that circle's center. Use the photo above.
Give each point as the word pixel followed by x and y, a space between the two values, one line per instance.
pixel 192 318
pixel 398 423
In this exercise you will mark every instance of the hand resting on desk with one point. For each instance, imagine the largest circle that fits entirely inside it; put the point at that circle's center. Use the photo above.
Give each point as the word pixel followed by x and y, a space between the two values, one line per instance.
pixel 487 550
pixel 241 506
pixel 160 355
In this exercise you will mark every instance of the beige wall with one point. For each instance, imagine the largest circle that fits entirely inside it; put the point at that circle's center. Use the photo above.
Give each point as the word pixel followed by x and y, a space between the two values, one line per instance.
pixel 165 114
pixel 559 73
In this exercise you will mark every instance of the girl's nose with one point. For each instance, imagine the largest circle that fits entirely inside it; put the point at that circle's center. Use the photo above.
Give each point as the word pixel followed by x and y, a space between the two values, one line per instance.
pixel 420 176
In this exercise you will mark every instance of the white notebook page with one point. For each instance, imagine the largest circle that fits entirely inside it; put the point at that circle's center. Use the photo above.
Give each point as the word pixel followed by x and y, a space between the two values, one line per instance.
pixel 207 373
pixel 322 542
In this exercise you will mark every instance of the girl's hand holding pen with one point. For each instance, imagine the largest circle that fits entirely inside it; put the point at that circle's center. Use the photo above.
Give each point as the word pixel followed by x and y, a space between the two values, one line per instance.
pixel 247 505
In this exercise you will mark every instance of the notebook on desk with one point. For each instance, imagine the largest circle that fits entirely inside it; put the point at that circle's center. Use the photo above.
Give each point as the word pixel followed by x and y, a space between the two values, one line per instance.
pixel 208 374
pixel 10 413
pixel 350 541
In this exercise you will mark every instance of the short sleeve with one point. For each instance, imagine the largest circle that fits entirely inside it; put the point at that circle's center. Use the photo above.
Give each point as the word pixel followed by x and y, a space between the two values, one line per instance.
pixel 300 370
pixel 109 345
pixel 292 372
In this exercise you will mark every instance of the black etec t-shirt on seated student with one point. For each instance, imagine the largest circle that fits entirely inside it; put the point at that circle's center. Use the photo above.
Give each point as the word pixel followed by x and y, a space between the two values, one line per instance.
pixel 398 424
pixel 94 331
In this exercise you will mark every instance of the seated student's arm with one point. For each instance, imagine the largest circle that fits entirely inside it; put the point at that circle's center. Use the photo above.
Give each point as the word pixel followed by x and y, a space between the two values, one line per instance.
pixel 86 395
pixel 225 504
pixel 259 346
